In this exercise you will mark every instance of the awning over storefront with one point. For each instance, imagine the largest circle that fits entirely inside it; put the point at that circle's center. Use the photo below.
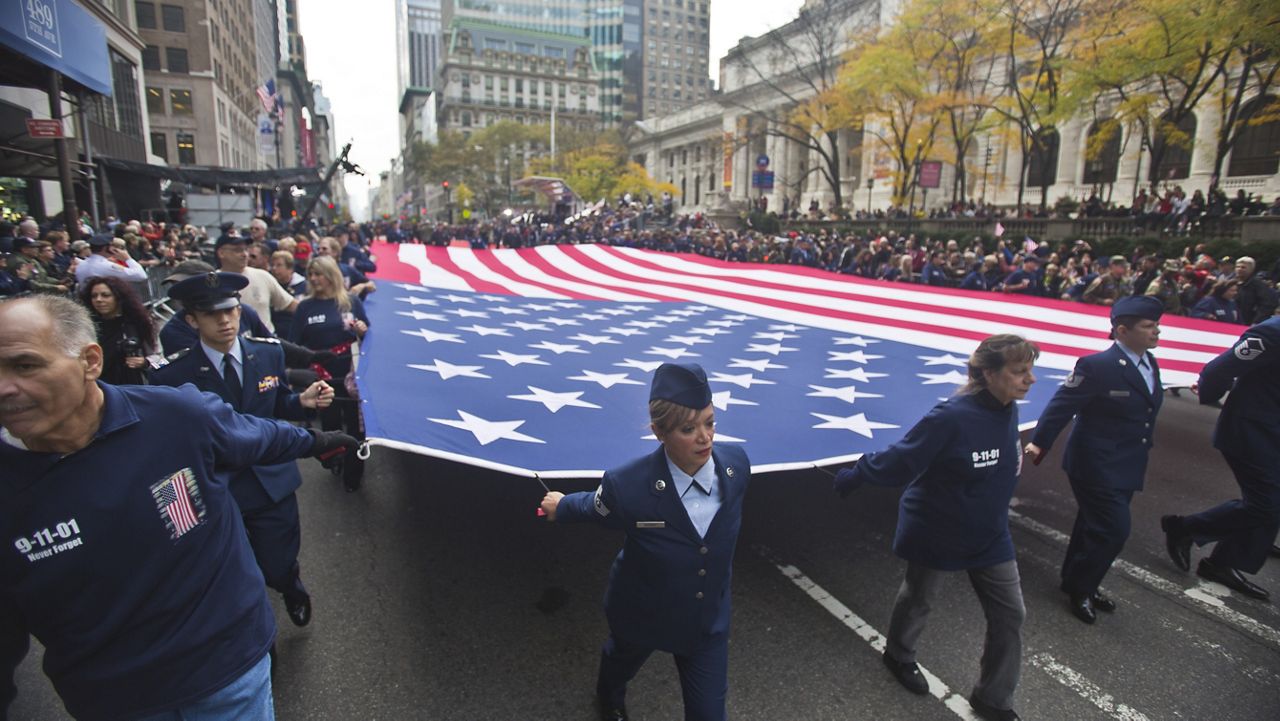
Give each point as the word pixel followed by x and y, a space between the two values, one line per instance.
pixel 57 35
pixel 212 177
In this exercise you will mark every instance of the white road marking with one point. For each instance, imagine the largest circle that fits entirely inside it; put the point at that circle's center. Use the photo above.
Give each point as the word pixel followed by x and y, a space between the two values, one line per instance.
pixel 957 703
pixel 1207 596
pixel 1087 690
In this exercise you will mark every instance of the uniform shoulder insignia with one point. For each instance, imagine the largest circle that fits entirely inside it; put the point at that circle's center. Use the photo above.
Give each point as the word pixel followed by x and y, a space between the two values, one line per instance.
pixel 1074 380
pixel 263 340
pixel 1249 348
pixel 175 356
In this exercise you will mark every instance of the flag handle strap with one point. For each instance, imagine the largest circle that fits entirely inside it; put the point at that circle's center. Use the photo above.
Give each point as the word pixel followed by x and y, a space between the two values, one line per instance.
pixel 363 451
pixel 538 478
pixel 829 473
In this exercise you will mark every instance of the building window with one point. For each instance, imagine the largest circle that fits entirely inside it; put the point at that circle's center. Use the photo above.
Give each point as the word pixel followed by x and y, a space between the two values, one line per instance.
pixel 155 102
pixel 151 58
pixel 176 60
pixel 174 20
pixel 123 110
pixel 186 149
pixel 160 145
pixel 146 15
pixel 180 102
pixel 1257 148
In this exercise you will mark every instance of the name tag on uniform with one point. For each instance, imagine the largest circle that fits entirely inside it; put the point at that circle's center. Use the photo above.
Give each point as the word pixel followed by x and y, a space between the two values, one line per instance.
pixel 651 524
pixel 1119 394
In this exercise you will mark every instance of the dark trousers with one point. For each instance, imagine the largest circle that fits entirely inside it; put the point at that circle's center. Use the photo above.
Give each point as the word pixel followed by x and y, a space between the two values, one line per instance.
pixel 704 675
pixel 275 534
pixel 999 590
pixel 1099 534
pixel 344 415
pixel 1246 528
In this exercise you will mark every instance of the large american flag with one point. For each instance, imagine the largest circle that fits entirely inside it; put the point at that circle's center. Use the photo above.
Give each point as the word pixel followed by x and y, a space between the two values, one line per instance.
pixel 539 360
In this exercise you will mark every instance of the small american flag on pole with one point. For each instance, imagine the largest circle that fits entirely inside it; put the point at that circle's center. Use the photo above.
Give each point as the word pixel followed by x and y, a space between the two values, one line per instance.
pixel 267 96
pixel 177 498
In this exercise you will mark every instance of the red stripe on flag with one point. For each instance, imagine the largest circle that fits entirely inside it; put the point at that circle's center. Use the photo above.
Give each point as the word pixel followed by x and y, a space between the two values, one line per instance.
pixel 541 263
pixel 440 257
pixel 390 267
pixel 489 259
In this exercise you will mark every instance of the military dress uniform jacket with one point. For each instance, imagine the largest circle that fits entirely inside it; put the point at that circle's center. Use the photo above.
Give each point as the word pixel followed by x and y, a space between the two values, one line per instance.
pixel 669 587
pixel 265 394
pixel 1115 415
pixel 960 464
pixel 1249 425
pixel 128 559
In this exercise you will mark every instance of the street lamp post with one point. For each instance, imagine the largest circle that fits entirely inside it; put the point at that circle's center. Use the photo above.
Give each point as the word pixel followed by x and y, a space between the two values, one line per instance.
pixel 915 179
pixel 871 183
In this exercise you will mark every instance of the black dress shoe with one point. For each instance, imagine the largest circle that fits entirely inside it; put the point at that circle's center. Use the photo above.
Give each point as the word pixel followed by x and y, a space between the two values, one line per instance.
pixel 1082 607
pixel 991 713
pixel 298 605
pixel 608 713
pixel 1102 603
pixel 1231 578
pixel 908 674
pixel 1176 543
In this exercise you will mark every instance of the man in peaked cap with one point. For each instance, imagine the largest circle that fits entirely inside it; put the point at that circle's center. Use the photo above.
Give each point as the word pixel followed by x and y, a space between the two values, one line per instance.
pixel 1114 397
pixel 680 508
pixel 249 374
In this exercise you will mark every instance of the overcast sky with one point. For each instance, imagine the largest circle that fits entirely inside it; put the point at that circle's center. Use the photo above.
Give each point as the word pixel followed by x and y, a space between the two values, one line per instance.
pixel 351 52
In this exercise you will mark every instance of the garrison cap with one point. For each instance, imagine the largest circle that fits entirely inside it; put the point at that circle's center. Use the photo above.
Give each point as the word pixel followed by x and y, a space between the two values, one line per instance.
pixel 684 384
pixel 1142 306
pixel 209 291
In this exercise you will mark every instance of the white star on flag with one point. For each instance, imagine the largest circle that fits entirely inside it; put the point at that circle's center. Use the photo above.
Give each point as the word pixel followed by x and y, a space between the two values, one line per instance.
pixel 854 374
pixel 415 300
pixel 448 370
pixel 856 356
pixel 644 324
pixel 853 340
pixel 737 316
pixel 686 312
pixel 846 393
pixel 672 353
pixel 527 326
pixel 606 380
pixel 770 348
pixel 667 318
pixel 949 377
pixel 623 331
pixel 495 298
pixel 746 380
pixel 464 313
pixel 486 431
pixel 708 331
pixel 552 400
pixel 759 366
pixel 723 399
pixel 506 310
pixel 592 316
pixel 857 423
pixel 646 366
pixel 539 306
pixel 559 321
pixel 686 339
pixel 431 336
pixel 419 315
pixel 557 348
pixel 788 327
pixel 410 286
pixel 515 359
pixel 615 311
pixel 725 323
pixel 637 308
pixel 593 339
pixel 484 330
pixel 775 336
pixel 567 304
pixel 946 359
pixel 459 298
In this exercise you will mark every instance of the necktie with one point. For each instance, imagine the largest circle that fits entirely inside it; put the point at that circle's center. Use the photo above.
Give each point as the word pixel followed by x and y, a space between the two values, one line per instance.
pixel 232 380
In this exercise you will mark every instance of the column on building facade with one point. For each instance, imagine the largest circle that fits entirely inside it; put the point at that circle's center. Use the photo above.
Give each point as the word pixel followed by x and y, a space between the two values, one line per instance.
pixel 1208 122
pixel 1071 158
pixel 1134 161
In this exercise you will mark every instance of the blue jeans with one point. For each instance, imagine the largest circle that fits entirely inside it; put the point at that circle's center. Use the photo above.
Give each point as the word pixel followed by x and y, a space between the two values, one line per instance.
pixel 247 698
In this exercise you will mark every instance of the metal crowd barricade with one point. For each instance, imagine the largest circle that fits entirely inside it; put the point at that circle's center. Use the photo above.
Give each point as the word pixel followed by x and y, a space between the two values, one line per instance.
pixel 155 296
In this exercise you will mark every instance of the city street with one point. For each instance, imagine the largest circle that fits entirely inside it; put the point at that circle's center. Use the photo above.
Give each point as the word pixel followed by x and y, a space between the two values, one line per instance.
pixel 439 595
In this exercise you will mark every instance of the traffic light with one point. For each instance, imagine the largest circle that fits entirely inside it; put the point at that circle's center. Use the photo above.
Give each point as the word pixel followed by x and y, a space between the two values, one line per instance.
pixel 445 185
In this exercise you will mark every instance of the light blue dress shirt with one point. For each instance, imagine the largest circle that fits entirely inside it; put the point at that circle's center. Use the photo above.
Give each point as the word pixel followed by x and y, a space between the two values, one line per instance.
pixel 699 493
pixel 215 357
pixel 1143 365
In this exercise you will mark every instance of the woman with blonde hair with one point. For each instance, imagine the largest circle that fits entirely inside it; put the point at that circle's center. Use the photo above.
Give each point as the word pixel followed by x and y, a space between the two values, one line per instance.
pixel 331 319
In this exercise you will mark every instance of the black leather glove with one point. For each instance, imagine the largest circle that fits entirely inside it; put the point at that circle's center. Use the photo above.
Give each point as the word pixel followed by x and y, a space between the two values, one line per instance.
pixel 330 446
pixel 845 482
pixel 324 357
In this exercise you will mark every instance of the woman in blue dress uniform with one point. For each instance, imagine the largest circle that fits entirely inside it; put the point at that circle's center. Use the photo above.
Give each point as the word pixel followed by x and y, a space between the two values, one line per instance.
pixel 680 508
pixel 960 464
